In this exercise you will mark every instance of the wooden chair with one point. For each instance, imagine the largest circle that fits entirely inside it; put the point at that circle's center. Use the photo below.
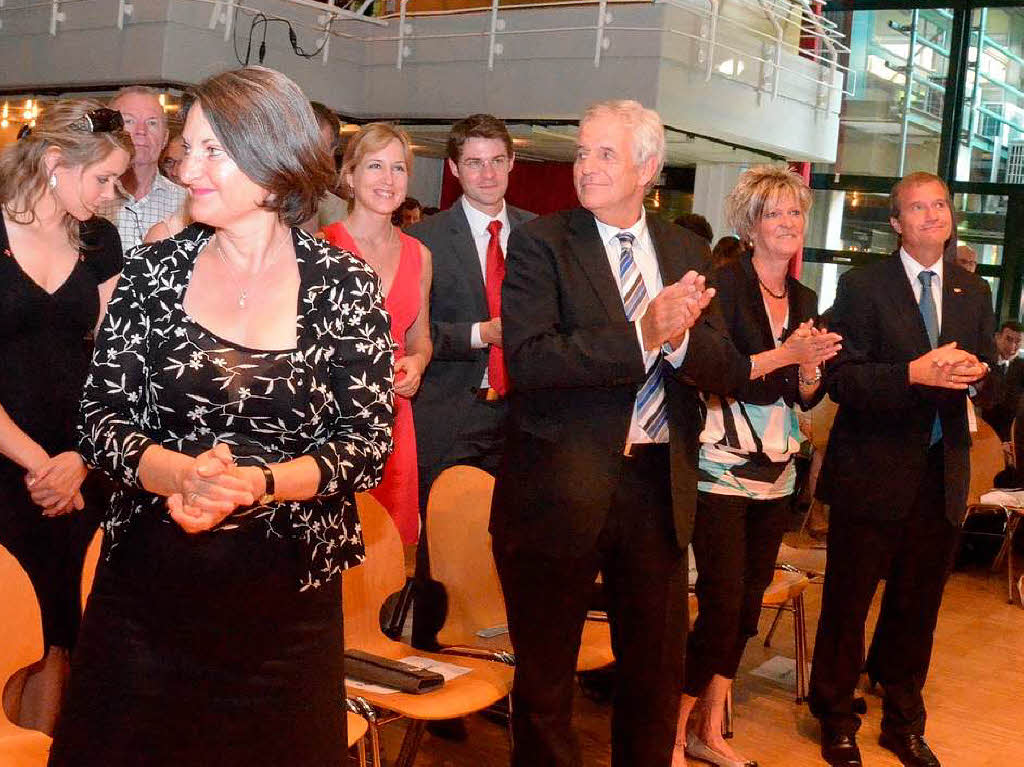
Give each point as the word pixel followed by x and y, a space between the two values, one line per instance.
pixel 458 511
pixel 21 644
pixel 364 590
pixel 784 593
pixel 986 461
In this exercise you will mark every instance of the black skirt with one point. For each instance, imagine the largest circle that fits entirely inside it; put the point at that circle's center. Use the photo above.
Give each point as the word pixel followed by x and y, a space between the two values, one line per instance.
pixel 201 650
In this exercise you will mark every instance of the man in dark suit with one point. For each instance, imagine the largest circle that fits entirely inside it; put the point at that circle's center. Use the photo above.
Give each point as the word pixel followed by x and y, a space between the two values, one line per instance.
pixel 459 415
pixel 599 473
pixel 1008 382
pixel 896 470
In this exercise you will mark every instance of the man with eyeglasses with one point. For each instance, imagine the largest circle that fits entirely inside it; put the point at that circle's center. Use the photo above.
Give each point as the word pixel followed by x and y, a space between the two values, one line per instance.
pixel 460 409
pixel 149 196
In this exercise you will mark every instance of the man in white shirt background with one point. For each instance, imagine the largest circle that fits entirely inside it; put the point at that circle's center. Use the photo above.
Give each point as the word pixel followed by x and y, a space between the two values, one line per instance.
pixel 151 197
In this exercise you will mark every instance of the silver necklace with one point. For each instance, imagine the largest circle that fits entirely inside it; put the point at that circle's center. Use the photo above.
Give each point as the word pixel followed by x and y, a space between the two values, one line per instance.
pixel 243 293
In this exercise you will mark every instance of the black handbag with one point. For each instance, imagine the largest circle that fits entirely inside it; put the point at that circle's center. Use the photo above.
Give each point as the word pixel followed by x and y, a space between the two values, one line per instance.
pixel 373 669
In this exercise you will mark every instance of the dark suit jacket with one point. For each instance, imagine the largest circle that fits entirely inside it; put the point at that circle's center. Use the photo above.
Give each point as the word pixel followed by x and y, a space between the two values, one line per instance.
pixel 576 366
pixel 457 300
pixel 742 307
pixel 878 447
pixel 1007 385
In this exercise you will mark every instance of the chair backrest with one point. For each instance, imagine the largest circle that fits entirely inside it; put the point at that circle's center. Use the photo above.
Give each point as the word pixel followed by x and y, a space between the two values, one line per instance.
pixel 21 626
pixel 986 460
pixel 92 558
pixel 366 586
pixel 458 511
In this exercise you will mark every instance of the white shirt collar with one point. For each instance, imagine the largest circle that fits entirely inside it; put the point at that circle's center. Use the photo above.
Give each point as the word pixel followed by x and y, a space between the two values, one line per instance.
pixel 479 221
pixel 609 233
pixel 914 268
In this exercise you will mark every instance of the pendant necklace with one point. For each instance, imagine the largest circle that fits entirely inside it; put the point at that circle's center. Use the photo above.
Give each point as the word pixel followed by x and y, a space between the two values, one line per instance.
pixel 243 293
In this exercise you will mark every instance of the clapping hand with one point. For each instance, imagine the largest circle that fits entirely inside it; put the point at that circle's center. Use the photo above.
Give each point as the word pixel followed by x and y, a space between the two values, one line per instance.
pixel 674 311
pixel 56 483
pixel 946 367
pixel 211 489
pixel 810 346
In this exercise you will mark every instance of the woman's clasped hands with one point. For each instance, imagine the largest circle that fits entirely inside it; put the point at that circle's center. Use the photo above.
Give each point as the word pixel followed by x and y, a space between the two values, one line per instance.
pixel 211 488
pixel 54 485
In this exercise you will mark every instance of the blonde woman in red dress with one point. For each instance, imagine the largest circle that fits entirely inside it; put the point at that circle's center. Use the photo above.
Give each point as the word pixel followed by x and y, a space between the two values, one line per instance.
pixel 374 178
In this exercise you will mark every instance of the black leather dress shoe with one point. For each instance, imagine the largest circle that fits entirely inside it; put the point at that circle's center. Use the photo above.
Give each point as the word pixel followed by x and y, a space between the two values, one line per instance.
pixel 911 749
pixel 839 749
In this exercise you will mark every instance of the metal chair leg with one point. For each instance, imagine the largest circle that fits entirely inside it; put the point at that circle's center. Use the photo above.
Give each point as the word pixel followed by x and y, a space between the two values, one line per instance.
pixel 511 737
pixel 727 723
pixel 800 644
pixel 361 750
pixel 1011 527
pixel 411 743
pixel 775 623
pixel 375 750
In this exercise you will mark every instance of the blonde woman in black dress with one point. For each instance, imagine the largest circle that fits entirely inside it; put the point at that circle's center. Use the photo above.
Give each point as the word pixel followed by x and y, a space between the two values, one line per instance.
pixel 58 267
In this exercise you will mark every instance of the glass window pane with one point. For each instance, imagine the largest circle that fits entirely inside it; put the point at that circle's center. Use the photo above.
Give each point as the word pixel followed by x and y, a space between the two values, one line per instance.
pixel 891 125
pixel 981 223
pixel 854 221
pixel 823 279
pixel 992 136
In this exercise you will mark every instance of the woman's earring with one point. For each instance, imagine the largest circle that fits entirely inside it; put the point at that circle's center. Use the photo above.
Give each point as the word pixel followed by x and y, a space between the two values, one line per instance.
pixel 52 181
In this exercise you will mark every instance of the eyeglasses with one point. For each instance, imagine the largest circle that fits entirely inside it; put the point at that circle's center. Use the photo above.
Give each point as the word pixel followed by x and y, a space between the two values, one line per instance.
pixel 476 165
pixel 101 120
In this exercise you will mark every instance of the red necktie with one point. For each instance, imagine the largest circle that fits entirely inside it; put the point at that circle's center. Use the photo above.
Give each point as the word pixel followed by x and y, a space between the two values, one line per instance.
pixel 496 375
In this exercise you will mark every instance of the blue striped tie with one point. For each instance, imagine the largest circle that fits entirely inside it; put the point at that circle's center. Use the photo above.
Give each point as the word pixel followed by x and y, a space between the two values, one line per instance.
pixel 930 315
pixel 651 412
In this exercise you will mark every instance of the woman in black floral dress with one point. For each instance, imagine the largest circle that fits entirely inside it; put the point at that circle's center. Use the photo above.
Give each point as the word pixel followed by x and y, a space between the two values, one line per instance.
pixel 241 393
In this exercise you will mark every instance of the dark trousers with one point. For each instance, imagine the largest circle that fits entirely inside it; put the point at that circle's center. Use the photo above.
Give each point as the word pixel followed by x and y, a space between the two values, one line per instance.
pixel 914 555
pixel 735 545
pixel 480 443
pixel 547 598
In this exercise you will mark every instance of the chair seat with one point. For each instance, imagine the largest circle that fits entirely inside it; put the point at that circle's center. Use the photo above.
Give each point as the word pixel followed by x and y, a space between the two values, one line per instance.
pixel 23 748
pixel 357 727
pixel 595 646
pixel 784 586
pixel 487 683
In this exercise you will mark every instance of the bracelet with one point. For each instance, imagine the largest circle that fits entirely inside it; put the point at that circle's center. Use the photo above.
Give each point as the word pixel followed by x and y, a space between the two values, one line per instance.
pixel 809 381
pixel 268 492
pixel 753 367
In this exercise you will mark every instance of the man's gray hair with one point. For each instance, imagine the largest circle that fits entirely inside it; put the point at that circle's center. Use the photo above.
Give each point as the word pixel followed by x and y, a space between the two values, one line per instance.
pixel 140 90
pixel 645 125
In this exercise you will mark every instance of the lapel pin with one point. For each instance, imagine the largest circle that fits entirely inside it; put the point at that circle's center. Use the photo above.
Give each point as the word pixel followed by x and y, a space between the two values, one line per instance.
pixel 958 290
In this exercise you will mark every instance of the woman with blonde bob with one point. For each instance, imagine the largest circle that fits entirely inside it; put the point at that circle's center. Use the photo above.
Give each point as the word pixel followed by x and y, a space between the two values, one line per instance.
pixel 746 471
pixel 375 176
pixel 240 393
pixel 58 266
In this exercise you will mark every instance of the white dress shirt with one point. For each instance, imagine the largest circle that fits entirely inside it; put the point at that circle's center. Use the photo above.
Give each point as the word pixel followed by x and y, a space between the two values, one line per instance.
pixel 647 262
pixel 914 268
pixel 478 223
pixel 133 218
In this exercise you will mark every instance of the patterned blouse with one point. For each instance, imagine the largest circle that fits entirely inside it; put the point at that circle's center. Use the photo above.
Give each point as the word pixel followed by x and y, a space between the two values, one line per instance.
pixel 158 377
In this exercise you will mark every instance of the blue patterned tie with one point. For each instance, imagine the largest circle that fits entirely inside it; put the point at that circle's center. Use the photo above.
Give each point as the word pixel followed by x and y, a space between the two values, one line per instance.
pixel 930 315
pixel 651 413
